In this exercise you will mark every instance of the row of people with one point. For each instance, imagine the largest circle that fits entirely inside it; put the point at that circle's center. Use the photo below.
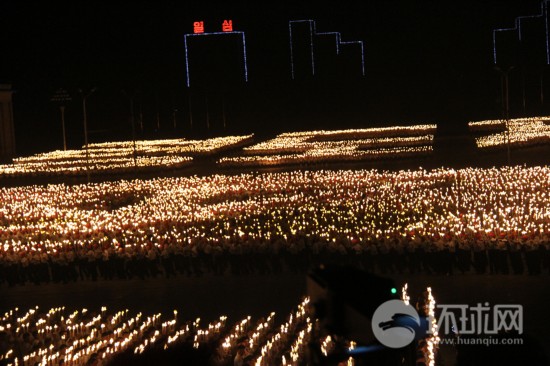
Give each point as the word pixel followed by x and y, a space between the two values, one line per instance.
pixel 151 262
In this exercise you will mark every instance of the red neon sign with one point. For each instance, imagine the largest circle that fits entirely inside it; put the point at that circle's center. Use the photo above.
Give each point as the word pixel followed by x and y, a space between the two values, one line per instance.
pixel 198 27
pixel 227 26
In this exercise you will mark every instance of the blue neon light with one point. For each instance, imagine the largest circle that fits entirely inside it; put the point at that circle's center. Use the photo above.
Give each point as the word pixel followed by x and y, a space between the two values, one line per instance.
pixel 213 34
pixel 311 24
pixel 291 53
pixel 245 60
pixel 518 19
pixel 312 32
pixel 495 40
pixel 186 60
pixel 362 54
pixel 336 38
pixel 517 27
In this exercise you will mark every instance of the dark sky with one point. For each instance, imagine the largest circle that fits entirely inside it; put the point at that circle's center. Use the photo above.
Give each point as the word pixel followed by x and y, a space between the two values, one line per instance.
pixel 426 61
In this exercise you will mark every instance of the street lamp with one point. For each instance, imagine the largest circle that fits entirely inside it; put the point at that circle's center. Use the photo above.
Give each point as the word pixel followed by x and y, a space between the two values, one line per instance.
pixel 85 118
pixel 141 119
pixel 174 119
pixel 223 113
pixel 190 111
pixel 505 94
pixel 131 98
pixel 61 97
pixel 207 114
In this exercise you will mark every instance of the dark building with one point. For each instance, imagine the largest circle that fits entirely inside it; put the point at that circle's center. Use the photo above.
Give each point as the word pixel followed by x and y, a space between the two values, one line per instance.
pixel 7 133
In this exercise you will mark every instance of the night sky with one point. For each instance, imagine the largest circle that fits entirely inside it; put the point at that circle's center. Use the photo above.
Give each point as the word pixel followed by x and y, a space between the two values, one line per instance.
pixel 425 62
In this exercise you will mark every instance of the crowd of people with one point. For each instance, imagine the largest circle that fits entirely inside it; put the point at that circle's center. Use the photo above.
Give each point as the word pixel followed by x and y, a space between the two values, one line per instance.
pixel 517 132
pixel 120 157
pixel 337 146
pixel 441 221
pixel 101 337
pixel 150 263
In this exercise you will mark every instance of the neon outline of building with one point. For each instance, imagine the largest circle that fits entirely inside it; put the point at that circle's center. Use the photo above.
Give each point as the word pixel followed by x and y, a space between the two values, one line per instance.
pixel 517 27
pixel 188 77
pixel 313 32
